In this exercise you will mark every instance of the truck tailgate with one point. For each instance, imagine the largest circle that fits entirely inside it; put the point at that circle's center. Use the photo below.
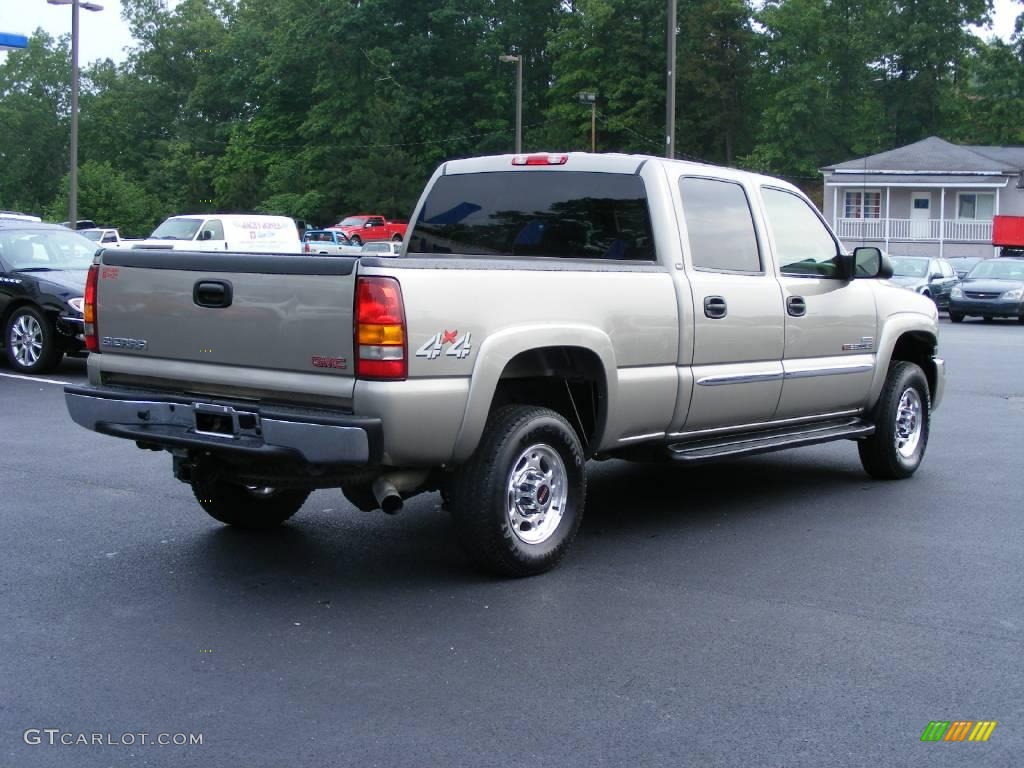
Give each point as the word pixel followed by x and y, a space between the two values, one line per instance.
pixel 224 323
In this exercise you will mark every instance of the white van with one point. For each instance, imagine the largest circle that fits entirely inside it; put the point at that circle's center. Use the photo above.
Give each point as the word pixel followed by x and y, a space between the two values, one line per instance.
pixel 246 233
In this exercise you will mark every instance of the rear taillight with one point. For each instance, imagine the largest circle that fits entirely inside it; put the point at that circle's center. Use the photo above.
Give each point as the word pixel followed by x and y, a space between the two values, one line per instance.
pixel 380 329
pixel 92 339
pixel 305 247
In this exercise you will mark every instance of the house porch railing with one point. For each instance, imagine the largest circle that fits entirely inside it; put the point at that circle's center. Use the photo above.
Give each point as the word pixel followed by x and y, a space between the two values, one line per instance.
pixel 956 230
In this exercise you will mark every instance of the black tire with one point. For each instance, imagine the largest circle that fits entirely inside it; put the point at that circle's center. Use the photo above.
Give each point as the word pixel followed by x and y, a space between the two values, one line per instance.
pixel 356 240
pixel 955 318
pixel 244 506
pixel 988 319
pixel 396 239
pixel 31 341
pixel 481 498
pixel 879 454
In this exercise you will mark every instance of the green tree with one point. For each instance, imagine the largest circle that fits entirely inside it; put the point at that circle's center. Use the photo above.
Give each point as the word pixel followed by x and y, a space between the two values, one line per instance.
pixel 927 44
pixel 987 106
pixel 109 198
pixel 34 110
pixel 820 84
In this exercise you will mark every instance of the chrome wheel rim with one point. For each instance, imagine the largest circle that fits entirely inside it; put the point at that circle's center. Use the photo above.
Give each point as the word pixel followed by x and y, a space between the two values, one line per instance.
pixel 27 340
pixel 909 423
pixel 536 494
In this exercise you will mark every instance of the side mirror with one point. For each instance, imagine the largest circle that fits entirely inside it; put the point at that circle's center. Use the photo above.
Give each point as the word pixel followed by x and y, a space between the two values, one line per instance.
pixel 206 234
pixel 869 262
pixel 367 225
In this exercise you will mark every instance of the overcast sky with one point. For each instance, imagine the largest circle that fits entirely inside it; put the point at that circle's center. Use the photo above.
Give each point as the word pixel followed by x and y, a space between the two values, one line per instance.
pixel 105 35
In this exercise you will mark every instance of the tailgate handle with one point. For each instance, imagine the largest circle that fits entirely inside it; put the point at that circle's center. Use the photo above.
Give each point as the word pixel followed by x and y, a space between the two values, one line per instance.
pixel 212 293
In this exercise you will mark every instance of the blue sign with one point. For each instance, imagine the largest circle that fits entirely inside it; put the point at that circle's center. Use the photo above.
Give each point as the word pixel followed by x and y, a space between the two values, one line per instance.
pixel 9 41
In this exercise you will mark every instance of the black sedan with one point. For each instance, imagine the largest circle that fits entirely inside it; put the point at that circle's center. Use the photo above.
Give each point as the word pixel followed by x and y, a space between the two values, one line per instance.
pixel 964 264
pixel 994 288
pixel 933 278
pixel 42 282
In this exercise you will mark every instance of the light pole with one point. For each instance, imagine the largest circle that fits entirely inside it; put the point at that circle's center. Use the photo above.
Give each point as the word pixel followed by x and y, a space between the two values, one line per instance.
pixel 73 191
pixel 518 59
pixel 670 87
pixel 590 97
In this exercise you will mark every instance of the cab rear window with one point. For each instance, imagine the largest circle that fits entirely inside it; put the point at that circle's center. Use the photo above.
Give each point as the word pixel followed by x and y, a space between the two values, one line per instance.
pixel 556 214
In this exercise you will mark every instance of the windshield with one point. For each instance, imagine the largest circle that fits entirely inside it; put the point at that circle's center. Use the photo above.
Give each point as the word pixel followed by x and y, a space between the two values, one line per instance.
pixel 43 250
pixel 907 267
pixel 353 221
pixel 177 229
pixel 996 269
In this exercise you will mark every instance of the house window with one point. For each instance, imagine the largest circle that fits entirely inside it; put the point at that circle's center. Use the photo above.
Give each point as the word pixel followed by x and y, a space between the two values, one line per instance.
pixel 863 204
pixel 975 205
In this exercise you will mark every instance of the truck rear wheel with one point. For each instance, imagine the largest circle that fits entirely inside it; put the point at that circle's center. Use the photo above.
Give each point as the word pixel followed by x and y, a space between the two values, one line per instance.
pixel 902 418
pixel 245 506
pixel 518 502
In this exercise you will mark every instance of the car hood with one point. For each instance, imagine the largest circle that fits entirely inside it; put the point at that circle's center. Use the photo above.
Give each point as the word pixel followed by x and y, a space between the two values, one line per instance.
pixel 908 282
pixel 988 285
pixel 66 281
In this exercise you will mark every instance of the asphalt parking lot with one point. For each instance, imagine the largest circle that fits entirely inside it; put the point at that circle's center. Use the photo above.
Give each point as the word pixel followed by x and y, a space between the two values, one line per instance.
pixel 782 610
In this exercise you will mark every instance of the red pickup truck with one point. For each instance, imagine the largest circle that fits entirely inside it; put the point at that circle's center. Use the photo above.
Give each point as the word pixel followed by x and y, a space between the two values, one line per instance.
pixel 366 227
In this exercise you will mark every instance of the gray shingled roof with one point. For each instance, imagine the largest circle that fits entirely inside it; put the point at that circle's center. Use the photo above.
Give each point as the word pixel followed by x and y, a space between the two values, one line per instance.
pixel 935 154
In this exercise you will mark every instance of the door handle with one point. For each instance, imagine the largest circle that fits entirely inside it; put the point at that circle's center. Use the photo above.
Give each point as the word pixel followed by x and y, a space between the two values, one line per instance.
pixel 715 307
pixel 796 306
pixel 215 294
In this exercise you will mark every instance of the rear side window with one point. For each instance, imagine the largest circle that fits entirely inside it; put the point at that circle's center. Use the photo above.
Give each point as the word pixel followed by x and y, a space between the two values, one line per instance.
pixel 720 225
pixel 559 214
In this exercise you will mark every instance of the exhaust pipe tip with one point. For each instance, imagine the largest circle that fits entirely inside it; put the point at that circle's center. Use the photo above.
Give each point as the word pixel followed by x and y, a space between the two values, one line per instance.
pixel 387 496
pixel 391 505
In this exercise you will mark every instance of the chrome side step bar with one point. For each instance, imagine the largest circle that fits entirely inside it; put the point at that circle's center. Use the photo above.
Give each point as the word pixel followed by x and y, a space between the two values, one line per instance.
pixel 749 443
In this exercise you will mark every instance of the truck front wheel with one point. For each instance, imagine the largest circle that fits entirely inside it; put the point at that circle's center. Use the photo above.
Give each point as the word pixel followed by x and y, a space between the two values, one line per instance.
pixel 902 420
pixel 244 506
pixel 518 502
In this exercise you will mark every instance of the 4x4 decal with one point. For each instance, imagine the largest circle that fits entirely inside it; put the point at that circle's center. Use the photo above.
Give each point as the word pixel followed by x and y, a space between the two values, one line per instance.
pixel 460 347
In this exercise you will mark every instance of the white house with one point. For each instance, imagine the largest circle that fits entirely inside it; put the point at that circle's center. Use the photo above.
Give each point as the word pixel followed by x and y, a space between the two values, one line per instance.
pixel 930 198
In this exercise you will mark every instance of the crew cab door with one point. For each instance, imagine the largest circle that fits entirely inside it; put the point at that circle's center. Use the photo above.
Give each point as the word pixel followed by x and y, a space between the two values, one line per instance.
pixel 374 229
pixel 831 325
pixel 737 306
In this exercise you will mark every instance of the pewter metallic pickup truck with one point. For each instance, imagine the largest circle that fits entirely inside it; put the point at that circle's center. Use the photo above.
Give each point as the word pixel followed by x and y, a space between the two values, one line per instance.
pixel 545 310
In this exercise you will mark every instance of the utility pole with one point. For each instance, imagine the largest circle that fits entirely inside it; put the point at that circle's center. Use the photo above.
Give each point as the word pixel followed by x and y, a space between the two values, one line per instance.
pixel 670 95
